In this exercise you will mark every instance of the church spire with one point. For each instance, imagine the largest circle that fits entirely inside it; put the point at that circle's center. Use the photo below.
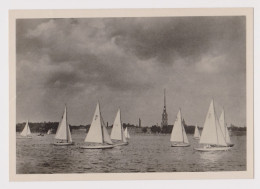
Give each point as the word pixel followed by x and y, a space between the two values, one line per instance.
pixel 164 114
pixel 164 99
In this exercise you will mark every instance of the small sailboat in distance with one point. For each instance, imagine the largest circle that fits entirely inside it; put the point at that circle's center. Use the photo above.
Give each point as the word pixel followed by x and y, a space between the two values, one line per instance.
pixel 63 135
pixel 178 135
pixel 196 133
pixel 49 132
pixel 224 128
pixel 26 133
pixel 126 133
pixel 97 136
pixel 212 138
pixel 117 132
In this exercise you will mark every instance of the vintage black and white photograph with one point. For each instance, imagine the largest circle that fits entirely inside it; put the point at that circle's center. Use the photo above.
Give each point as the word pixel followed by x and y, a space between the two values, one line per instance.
pixel 131 94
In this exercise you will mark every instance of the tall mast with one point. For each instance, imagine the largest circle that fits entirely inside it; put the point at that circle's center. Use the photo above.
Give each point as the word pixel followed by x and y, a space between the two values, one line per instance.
pixel 67 128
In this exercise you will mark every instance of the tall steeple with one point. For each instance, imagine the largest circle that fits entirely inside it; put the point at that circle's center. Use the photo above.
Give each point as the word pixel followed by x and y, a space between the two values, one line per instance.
pixel 164 114
pixel 164 100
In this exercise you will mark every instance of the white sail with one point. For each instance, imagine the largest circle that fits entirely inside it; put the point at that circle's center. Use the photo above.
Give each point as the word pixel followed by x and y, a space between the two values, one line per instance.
pixel 69 134
pixel 227 137
pixel 63 131
pixel 106 137
pixel 224 128
pixel 196 133
pixel 185 138
pixel 49 132
pixel 117 130
pixel 212 133
pixel 95 130
pixel 178 132
pixel 26 130
pixel 126 133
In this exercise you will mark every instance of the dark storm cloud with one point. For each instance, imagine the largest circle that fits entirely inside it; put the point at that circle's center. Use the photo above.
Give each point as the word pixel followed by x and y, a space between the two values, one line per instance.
pixel 165 38
pixel 129 60
pixel 64 43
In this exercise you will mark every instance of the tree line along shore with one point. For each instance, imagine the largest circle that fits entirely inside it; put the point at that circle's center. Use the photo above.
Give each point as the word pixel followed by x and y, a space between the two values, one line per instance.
pixel 44 127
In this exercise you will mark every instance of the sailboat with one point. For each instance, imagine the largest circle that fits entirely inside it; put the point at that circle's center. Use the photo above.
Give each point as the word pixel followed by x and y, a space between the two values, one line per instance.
pixel 126 133
pixel 196 133
pixel 178 135
pixel 225 129
pixel 117 132
pixel 26 133
pixel 49 132
pixel 212 138
pixel 63 135
pixel 97 137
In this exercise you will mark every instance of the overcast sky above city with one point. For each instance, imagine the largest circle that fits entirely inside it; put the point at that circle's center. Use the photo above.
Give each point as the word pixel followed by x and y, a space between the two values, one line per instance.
pixel 126 63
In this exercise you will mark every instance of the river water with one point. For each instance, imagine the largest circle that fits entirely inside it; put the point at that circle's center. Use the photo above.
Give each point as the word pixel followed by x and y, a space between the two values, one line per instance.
pixel 144 153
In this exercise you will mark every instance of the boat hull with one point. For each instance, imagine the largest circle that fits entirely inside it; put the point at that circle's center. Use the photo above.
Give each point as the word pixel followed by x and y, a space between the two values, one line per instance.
pixel 63 143
pixel 203 149
pixel 180 144
pixel 97 147
pixel 121 144
pixel 28 137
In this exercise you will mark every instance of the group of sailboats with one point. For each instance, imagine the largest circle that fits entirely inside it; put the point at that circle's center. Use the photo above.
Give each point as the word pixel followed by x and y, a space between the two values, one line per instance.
pixel 214 137
pixel 97 136
pixel 117 133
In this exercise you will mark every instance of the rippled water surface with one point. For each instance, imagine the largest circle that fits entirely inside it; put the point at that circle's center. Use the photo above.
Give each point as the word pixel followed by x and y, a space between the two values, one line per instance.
pixel 145 153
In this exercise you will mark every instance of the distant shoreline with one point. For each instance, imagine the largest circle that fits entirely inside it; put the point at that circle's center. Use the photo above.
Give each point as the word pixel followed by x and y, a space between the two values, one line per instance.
pixel 44 127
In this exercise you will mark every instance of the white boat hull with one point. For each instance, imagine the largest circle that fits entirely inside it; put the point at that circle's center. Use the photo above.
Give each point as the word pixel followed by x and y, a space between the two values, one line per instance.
pixel 28 137
pixel 180 144
pixel 97 147
pixel 63 143
pixel 121 144
pixel 203 149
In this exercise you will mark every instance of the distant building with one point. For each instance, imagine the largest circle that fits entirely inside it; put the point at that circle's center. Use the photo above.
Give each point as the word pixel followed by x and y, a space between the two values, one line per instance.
pixel 164 114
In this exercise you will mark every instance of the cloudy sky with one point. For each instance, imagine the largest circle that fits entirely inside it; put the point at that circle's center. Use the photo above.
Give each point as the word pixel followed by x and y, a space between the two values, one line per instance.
pixel 126 63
